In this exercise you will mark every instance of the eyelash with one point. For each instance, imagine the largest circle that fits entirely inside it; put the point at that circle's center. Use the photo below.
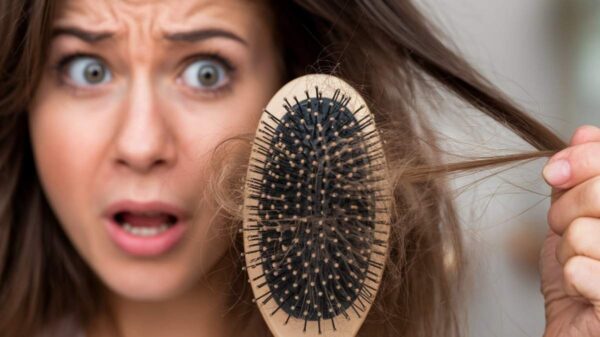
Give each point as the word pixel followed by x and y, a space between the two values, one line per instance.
pixel 63 62
pixel 60 66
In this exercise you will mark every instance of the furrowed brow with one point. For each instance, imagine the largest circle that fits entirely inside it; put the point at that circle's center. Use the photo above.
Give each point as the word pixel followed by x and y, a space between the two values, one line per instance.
pixel 192 36
pixel 203 34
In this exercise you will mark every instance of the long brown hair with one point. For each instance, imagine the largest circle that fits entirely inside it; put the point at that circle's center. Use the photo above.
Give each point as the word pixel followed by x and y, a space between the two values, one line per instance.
pixel 386 49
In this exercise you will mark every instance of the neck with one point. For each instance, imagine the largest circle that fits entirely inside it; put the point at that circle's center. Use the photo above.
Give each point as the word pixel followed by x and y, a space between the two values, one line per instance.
pixel 202 311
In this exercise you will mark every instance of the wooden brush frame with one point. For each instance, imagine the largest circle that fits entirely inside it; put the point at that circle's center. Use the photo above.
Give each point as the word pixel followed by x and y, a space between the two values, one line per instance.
pixel 280 323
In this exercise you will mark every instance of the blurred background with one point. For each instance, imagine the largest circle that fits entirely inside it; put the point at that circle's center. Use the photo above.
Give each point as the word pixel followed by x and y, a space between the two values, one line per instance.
pixel 545 54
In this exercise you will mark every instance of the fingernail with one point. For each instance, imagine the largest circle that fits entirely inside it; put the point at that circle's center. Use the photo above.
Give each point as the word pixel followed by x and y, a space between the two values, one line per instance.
pixel 557 172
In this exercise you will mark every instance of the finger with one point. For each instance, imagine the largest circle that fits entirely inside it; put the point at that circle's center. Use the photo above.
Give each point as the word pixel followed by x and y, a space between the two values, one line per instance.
pixel 585 134
pixel 580 201
pixel 575 165
pixel 582 237
pixel 581 276
pixel 551 271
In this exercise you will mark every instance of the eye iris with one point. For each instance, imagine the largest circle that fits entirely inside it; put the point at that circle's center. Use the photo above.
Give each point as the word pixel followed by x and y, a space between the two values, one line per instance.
pixel 208 75
pixel 94 73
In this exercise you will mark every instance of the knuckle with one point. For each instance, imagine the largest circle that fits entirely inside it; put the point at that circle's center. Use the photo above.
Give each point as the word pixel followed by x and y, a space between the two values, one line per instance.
pixel 556 219
pixel 572 269
pixel 578 234
pixel 553 220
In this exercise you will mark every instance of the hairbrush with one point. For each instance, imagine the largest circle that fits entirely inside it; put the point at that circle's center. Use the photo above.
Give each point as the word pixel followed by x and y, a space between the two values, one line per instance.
pixel 316 209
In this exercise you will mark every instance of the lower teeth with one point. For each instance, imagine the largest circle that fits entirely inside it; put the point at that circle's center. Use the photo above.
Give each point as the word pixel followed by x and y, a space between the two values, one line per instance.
pixel 145 231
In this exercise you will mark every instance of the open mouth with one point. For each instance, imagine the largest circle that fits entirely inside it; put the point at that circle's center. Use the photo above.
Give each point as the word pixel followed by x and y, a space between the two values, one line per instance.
pixel 145 224
pixel 146 229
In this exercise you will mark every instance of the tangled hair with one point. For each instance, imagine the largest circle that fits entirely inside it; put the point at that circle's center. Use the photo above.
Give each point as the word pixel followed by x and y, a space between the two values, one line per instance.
pixel 384 48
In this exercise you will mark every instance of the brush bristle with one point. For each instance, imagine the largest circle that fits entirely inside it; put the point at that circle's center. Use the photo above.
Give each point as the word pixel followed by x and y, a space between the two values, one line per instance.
pixel 313 228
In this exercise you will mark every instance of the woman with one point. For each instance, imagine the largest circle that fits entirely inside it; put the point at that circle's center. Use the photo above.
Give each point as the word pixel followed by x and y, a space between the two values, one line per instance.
pixel 111 111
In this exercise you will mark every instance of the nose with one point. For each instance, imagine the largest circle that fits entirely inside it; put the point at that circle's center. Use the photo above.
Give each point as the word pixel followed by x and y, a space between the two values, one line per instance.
pixel 143 142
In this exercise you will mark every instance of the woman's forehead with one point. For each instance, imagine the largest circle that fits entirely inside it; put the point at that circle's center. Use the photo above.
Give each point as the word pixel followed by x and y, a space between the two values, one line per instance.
pixel 159 16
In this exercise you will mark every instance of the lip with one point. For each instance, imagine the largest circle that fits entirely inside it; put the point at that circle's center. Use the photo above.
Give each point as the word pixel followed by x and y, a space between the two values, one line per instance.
pixel 150 245
pixel 151 206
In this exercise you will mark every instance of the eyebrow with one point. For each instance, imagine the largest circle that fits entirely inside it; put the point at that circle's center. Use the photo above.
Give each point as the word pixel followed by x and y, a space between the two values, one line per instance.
pixel 87 36
pixel 187 36
pixel 203 34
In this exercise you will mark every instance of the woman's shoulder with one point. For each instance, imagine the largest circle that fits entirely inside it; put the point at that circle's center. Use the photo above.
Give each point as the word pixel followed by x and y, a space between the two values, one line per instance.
pixel 68 326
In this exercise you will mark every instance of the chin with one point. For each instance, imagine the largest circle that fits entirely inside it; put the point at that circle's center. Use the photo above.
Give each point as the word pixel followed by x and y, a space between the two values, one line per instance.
pixel 159 279
pixel 148 283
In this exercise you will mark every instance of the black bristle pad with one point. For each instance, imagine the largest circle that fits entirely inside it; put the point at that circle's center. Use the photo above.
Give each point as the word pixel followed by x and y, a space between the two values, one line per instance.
pixel 316 212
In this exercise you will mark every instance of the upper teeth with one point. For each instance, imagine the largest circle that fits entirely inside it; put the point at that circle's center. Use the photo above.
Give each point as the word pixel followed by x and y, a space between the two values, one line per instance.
pixel 145 231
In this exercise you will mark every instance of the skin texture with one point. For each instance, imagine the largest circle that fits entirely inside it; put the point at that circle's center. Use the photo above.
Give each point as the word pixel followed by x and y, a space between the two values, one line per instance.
pixel 146 133
pixel 570 260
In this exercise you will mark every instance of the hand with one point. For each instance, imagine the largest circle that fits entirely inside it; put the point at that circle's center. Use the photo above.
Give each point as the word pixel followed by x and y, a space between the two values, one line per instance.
pixel 570 258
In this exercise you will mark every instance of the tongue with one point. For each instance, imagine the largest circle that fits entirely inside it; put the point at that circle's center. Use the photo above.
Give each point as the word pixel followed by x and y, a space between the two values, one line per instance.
pixel 139 220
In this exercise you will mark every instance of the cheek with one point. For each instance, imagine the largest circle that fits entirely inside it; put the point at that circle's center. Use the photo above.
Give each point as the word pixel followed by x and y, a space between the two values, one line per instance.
pixel 65 154
pixel 61 159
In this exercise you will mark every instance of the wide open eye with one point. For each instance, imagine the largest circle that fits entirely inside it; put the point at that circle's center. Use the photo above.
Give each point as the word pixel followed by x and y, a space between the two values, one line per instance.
pixel 206 74
pixel 87 71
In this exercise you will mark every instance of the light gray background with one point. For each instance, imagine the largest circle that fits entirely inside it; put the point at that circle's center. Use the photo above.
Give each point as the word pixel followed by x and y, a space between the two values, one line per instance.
pixel 520 46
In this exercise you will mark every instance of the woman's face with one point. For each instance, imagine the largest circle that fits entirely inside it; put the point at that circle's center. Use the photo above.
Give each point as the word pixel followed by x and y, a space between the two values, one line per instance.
pixel 135 96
